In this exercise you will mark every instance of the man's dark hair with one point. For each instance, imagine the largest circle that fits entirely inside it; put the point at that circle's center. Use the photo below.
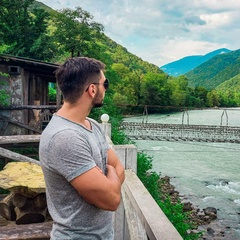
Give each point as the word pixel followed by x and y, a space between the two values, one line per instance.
pixel 75 75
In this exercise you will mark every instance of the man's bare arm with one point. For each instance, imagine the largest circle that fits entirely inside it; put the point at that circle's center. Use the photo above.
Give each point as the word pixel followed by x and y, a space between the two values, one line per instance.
pixel 100 190
pixel 114 161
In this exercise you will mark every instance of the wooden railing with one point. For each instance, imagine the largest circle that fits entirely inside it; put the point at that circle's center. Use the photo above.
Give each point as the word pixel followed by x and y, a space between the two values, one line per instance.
pixel 138 216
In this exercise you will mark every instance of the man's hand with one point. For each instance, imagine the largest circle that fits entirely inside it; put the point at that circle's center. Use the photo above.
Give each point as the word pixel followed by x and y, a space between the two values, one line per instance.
pixel 114 161
pixel 102 191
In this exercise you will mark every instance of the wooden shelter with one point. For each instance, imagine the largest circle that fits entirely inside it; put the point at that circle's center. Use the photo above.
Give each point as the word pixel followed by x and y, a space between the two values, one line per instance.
pixel 26 82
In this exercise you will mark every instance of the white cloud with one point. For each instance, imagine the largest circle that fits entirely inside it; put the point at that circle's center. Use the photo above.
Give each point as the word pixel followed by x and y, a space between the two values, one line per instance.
pixel 216 20
pixel 161 31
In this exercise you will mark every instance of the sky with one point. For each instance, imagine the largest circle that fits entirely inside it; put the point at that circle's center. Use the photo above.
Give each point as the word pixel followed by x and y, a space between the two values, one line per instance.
pixel 161 31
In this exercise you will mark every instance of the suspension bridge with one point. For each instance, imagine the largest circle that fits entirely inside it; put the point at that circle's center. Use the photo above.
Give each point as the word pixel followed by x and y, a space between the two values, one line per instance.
pixel 182 132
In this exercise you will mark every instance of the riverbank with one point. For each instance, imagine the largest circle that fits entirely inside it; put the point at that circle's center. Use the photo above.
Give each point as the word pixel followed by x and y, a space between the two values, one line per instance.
pixel 205 220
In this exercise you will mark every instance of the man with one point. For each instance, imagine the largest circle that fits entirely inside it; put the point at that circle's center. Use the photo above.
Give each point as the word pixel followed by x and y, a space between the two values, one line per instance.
pixel 83 175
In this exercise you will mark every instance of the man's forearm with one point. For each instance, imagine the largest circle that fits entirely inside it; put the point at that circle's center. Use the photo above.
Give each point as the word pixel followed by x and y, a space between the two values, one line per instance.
pixel 120 172
pixel 114 161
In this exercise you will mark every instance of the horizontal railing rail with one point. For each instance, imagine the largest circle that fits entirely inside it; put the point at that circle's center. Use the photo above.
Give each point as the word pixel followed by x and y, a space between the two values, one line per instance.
pixel 144 218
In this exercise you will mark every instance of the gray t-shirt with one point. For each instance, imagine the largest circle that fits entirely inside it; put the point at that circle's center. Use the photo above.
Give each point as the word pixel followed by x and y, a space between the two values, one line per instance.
pixel 67 150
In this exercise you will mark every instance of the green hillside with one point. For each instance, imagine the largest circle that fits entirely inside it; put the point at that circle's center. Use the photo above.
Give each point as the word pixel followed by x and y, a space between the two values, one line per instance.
pixel 57 35
pixel 215 71
pixel 37 4
pixel 230 91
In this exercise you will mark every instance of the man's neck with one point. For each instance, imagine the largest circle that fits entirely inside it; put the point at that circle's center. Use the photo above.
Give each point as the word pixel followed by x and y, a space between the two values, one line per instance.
pixel 75 113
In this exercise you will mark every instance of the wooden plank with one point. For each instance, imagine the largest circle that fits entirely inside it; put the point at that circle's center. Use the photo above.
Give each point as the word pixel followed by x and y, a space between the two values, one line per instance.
pixel 16 156
pixel 5 124
pixel 19 139
pixel 19 124
pixel 12 231
pixel 20 107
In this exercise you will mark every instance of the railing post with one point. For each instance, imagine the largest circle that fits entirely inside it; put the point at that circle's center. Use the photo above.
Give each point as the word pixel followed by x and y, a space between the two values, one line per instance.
pixel 105 125
pixel 128 155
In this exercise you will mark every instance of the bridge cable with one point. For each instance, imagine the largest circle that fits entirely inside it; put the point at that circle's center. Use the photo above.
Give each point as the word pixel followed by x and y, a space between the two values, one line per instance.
pixel 145 114
pixel 185 111
pixel 224 111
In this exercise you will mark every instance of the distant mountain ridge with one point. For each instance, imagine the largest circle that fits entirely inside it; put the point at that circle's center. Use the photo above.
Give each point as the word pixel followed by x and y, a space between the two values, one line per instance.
pixel 188 63
pixel 215 71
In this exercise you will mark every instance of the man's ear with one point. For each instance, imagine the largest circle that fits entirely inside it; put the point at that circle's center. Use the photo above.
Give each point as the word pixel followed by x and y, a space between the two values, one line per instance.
pixel 92 90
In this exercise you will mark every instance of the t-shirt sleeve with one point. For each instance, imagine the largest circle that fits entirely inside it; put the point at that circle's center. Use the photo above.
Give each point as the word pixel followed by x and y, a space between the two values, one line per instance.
pixel 72 153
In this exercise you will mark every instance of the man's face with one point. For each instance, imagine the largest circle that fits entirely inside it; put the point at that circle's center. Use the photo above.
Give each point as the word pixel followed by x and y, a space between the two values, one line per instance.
pixel 100 93
pixel 98 99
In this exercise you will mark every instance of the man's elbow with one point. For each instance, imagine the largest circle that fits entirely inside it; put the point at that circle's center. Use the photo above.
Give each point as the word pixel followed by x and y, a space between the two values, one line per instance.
pixel 113 206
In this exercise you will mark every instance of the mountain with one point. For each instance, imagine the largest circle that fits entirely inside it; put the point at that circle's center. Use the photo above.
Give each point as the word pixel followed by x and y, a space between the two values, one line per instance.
pixel 215 71
pixel 230 91
pixel 188 63
pixel 231 85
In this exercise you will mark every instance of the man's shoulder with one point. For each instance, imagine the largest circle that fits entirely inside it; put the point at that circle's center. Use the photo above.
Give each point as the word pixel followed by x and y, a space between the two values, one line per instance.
pixel 93 121
pixel 59 127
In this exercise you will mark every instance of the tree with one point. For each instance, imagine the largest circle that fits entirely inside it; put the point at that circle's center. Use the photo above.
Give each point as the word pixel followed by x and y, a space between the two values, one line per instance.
pixel 14 20
pixel 155 89
pixel 76 32
pixel 212 98
pixel 201 96
pixel 127 83
pixel 179 88
pixel 23 31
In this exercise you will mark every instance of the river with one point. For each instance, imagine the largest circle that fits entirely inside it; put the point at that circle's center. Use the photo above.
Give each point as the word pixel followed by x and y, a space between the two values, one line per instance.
pixel 208 174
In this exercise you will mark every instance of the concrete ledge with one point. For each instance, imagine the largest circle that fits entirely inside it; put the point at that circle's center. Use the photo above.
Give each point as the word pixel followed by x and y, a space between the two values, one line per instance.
pixel 156 224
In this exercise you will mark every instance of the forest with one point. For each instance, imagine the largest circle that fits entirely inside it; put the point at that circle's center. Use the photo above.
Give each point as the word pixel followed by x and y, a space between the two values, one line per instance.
pixel 33 30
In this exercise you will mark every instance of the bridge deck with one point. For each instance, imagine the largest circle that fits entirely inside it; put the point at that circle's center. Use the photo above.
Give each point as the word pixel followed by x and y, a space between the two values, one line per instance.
pixel 181 132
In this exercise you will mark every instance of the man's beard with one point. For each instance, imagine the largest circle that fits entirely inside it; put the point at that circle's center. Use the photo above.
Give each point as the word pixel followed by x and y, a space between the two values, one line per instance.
pixel 98 105
pixel 98 100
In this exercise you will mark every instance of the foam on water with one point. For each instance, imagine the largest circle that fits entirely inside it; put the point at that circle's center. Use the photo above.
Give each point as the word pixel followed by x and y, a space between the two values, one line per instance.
pixel 230 187
pixel 162 148
pixel 208 198
pixel 237 201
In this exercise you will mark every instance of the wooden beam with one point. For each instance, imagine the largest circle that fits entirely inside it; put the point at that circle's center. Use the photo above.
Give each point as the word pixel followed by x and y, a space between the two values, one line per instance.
pixel 19 139
pixel 16 156
pixel 19 124
pixel 26 231
pixel 52 107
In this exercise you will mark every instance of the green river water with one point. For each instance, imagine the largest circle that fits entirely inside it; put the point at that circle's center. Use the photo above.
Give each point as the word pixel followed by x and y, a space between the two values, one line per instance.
pixel 208 174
